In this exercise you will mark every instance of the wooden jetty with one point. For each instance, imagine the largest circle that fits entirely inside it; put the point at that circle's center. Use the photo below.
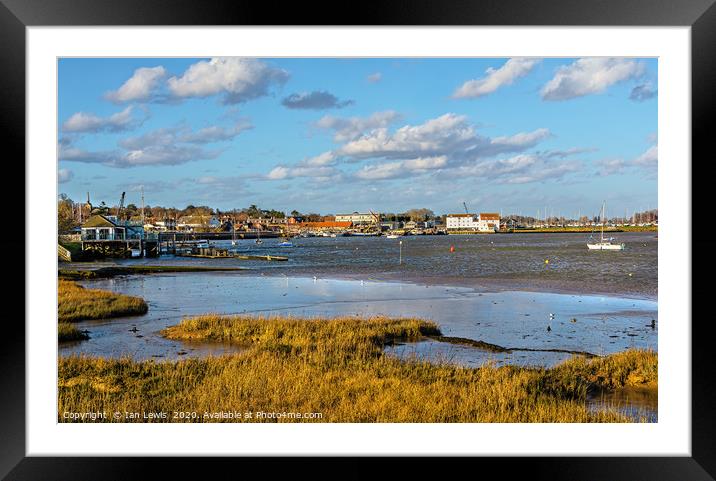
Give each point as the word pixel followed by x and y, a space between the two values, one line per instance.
pixel 214 253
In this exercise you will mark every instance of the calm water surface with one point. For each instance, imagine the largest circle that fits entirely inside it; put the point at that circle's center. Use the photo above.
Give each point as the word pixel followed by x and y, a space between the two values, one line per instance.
pixel 500 261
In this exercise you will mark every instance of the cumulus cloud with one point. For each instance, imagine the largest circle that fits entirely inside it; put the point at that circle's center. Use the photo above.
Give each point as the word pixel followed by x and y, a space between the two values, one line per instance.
pixel 141 86
pixel 83 122
pixel 496 78
pixel 64 175
pixel 236 79
pixel 642 92
pixel 375 77
pixel 316 100
pixel 591 75
pixel 166 146
pixel 391 170
pixel 445 146
pixel 449 135
pixel 519 169
pixel 352 127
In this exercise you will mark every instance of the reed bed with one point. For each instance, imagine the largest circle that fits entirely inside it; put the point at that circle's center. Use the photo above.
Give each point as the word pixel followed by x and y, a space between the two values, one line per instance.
pixel 336 367
pixel 76 303
pixel 68 332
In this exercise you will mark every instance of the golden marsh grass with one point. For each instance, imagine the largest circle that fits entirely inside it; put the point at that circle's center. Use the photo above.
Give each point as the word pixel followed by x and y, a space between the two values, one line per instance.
pixel 76 303
pixel 337 367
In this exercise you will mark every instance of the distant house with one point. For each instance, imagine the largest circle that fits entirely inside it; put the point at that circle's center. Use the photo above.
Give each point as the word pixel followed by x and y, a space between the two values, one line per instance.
pixel 107 227
pixel 488 222
pixel 193 222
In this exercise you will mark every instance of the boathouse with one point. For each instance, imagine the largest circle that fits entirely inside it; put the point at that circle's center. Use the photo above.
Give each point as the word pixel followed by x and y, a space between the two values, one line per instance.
pixel 105 236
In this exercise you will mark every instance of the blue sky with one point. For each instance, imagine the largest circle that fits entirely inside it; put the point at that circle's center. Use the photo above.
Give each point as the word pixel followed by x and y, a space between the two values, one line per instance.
pixel 333 135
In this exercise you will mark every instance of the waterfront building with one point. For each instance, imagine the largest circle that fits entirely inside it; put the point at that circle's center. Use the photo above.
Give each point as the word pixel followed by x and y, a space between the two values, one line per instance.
pixel 357 218
pixel 484 222
pixel 325 225
pixel 193 222
pixel 462 222
pixel 107 227
pixel 488 222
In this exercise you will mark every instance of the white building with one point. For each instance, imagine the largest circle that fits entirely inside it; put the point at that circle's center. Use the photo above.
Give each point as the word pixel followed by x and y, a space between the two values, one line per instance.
pixel 462 222
pixel 488 222
pixel 484 222
pixel 358 218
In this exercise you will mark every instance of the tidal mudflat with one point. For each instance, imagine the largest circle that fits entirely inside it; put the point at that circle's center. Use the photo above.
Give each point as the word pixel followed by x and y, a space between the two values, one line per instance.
pixel 538 329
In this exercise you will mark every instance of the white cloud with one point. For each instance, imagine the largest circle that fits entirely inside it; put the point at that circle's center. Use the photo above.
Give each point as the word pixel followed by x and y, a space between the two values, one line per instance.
pixel 282 172
pixel 447 144
pixel 450 135
pixel 176 135
pixel 64 175
pixel 496 78
pixel 375 77
pixel 391 170
pixel 158 147
pixel 518 169
pixel 352 127
pixel 611 166
pixel 237 79
pixel 139 87
pixel 214 133
pixel 520 141
pixel 83 122
pixel 591 75
pixel 441 135
pixel 649 158
pixel 320 160
pixel 164 155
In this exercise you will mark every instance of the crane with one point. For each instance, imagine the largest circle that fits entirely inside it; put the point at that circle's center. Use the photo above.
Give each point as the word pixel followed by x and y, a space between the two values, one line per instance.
pixel 121 205
pixel 465 206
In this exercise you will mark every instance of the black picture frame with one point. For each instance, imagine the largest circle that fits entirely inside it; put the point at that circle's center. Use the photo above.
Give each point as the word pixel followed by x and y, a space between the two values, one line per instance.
pixel 700 15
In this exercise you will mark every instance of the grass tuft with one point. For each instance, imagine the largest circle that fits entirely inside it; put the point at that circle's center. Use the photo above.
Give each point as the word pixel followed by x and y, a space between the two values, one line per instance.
pixel 75 303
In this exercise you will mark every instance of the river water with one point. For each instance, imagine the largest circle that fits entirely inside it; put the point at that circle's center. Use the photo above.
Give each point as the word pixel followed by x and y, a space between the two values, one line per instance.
pixel 498 261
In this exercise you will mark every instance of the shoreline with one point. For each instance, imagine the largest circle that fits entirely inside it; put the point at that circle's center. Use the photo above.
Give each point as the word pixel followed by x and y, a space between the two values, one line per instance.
pixel 477 285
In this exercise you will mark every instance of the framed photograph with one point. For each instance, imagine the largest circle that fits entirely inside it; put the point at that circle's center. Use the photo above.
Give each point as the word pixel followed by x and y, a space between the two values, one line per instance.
pixel 464 232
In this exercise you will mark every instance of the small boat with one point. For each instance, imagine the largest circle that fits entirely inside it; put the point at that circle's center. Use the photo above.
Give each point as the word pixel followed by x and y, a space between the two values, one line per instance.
pixel 392 236
pixel 604 244
pixel 286 244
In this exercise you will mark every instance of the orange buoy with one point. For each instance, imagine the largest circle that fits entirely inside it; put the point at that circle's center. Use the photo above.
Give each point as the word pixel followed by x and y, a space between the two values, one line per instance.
pixel 452 248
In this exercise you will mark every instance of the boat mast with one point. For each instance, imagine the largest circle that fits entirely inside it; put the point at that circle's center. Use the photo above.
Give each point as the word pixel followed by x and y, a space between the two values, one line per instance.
pixel 603 206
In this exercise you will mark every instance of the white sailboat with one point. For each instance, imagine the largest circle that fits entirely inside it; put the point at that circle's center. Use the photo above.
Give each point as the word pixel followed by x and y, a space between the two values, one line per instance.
pixel 604 244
